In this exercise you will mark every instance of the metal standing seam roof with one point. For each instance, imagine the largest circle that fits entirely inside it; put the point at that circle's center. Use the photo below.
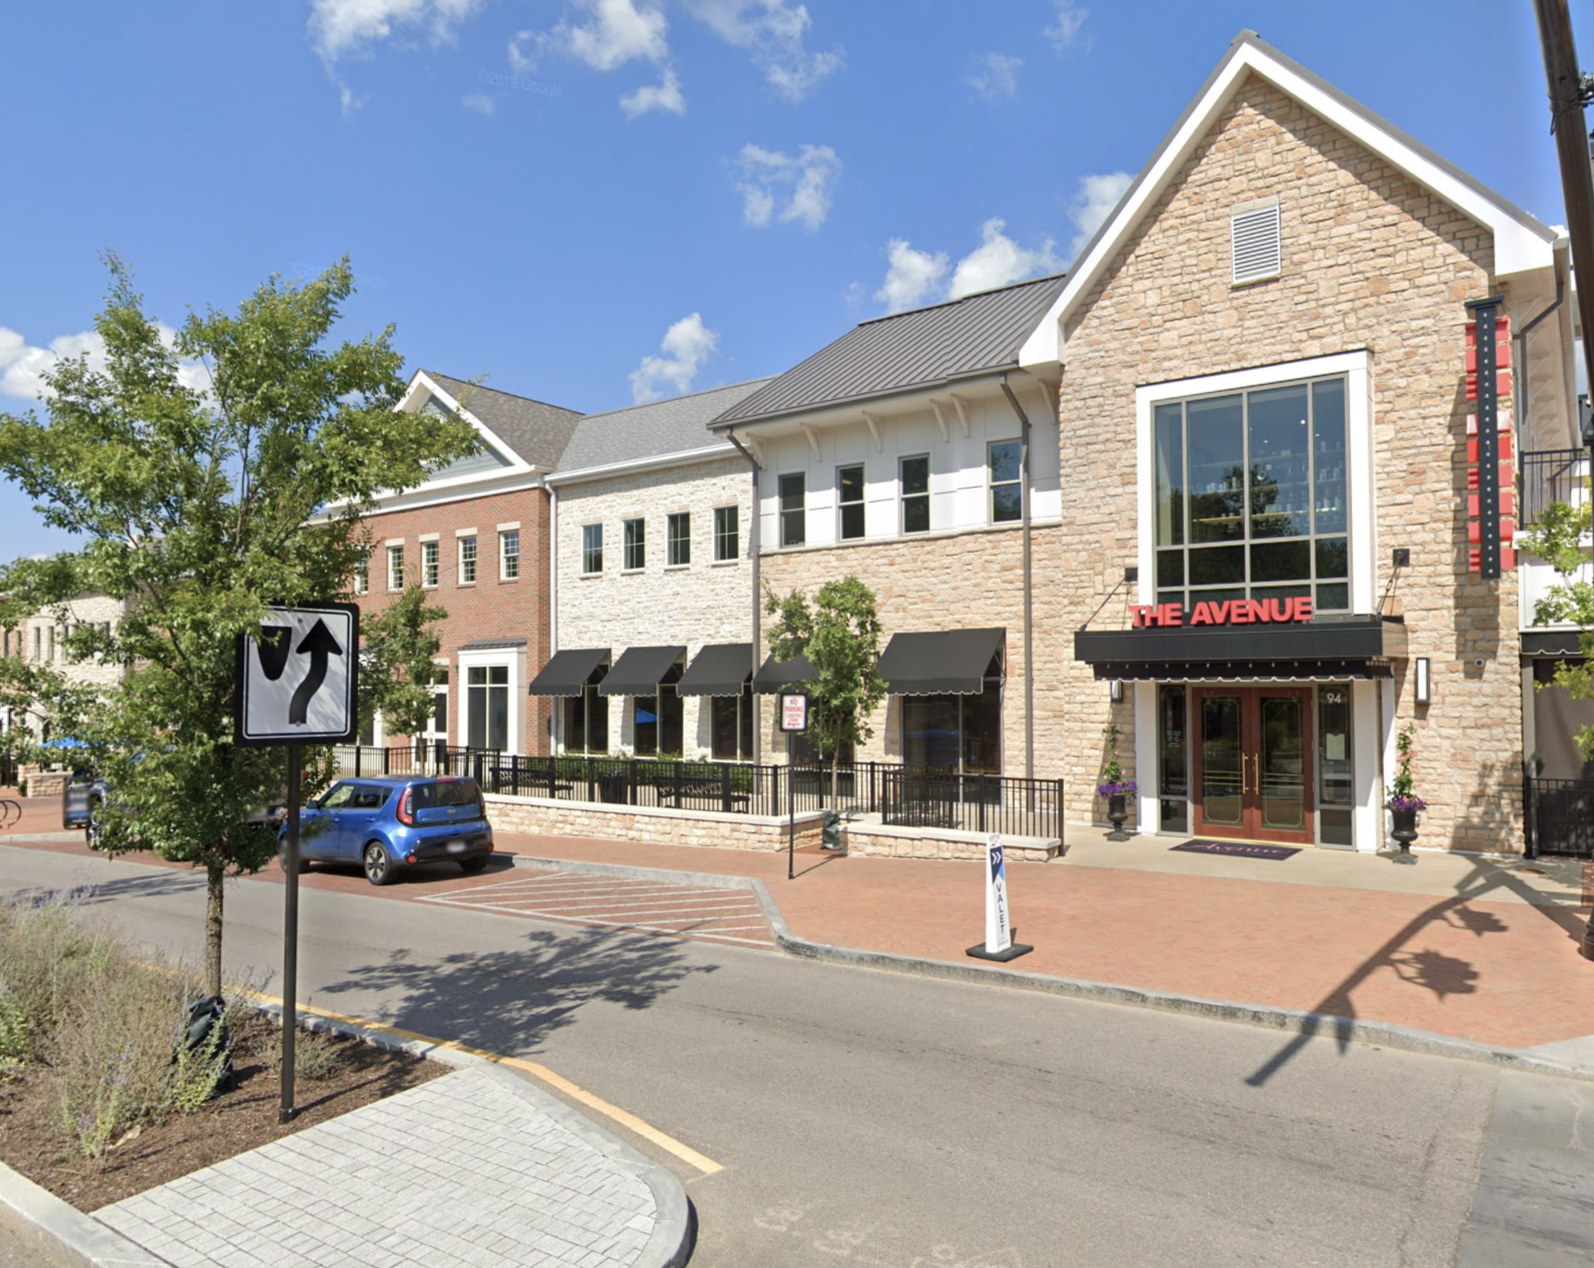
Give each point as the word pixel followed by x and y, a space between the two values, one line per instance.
pixel 535 430
pixel 676 425
pixel 924 347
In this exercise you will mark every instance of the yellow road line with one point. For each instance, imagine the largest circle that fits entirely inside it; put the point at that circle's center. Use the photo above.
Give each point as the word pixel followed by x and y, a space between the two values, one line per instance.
pixel 626 1119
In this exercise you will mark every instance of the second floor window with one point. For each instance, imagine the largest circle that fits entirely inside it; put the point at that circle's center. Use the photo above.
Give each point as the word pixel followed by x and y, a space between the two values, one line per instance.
pixel 429 565
pixel 727 533
pixel 1007 490
pixel 467 561
pixel 636 544
pixel 678 539
pixel 916 494
pixel 395 567
pixel 793 489
pixel 849 497
pixel 362 574
pixel 509 555
pixel 591 549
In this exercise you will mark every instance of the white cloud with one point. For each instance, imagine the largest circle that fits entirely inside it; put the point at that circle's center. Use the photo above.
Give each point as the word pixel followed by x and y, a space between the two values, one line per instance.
pixel 1093 203
pixel 665 95
pixel 23 366
pixel 773 31
pixel 999 261
pixel 686 345
pixel 995 75
pixel 810 176
pixel 615 32
pixel 912 277
pixel 479 102
pixel 1069 22
pixel 340 27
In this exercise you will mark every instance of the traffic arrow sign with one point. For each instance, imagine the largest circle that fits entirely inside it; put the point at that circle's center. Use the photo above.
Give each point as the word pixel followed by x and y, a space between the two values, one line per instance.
pixel 297 678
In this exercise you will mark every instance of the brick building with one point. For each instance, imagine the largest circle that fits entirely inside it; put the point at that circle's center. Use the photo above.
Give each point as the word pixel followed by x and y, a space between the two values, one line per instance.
pixel 652 585
pixel 476 538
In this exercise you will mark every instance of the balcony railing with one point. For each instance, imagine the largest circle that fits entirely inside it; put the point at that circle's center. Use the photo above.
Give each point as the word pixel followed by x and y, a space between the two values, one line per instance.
pixel 901 795
pixel 1551 475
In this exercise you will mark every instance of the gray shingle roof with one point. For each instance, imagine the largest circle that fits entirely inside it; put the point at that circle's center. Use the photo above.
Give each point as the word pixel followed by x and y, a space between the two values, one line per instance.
pixel 923 347
pixel 535 430
pixel 677 425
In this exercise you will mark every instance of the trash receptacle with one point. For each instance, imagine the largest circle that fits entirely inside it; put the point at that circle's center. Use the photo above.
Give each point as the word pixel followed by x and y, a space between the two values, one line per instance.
pixel 830 831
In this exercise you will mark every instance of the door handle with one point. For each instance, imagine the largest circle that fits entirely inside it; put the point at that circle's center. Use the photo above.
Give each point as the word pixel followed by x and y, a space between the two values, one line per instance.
pixel 1248 787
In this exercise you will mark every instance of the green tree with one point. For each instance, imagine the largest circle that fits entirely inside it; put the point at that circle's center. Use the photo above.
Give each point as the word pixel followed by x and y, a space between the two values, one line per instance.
pixel 839 633
pixel 198 507
pixel 1558 538
pixel 397 674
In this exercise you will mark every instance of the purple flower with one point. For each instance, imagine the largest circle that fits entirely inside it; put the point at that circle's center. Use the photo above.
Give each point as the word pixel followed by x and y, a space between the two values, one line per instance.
pixel 1401 803
pixel 1116 788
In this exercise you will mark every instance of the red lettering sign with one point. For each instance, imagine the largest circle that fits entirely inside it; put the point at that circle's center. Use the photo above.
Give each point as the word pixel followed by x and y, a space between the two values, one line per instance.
pixel 1222 612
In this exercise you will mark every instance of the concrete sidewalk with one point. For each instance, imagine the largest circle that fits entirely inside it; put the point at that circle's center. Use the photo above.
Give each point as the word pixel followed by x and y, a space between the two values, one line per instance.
pixel 1476 948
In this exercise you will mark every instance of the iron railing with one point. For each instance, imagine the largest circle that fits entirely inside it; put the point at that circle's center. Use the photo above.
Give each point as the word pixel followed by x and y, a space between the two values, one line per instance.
pixel 1551 475
pixel 906 796
pixel 1560 817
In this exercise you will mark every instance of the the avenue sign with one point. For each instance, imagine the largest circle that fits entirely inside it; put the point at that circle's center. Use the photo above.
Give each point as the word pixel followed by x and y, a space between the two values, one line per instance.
pixel 1222 612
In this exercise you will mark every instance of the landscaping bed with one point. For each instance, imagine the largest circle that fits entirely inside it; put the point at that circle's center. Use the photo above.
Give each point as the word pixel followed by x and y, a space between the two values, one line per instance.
pixel 93 1106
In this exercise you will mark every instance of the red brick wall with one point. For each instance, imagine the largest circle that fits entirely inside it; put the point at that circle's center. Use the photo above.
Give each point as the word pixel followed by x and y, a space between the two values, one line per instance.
pixel 489 610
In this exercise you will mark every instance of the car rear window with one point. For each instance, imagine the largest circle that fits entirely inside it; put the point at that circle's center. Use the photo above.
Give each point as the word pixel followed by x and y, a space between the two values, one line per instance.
pixel 447 792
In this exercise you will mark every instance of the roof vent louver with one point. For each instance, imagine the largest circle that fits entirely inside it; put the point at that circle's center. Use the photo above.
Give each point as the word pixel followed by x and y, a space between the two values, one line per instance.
pixel 1254 242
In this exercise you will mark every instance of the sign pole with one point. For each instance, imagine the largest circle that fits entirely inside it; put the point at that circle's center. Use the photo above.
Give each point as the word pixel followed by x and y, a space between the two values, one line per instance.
pixel 791 814
pixel 290 932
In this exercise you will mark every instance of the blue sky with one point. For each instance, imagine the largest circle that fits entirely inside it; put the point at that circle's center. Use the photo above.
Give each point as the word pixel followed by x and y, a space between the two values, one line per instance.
pixel 597 201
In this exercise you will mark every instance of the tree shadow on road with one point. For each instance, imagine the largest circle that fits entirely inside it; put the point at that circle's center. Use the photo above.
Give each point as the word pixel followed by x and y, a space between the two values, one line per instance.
pixel 512 1001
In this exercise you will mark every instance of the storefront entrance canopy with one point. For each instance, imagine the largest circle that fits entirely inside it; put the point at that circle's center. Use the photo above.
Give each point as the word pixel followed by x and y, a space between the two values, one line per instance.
pixel 640 670
pixel 1326 648
pixel 774 675
pixel 569 671
pixel 720 669
pixel 940 662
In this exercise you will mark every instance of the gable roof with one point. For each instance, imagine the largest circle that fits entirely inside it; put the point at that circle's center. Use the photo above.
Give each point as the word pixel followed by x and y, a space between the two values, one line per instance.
pixel 536 431
pixel 678 425
pixel 1521 242
pixel 921 348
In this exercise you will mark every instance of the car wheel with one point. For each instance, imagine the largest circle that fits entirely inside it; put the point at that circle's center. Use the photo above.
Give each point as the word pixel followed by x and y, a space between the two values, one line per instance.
pixel 471 866
pixel 304 863
pixel 378 866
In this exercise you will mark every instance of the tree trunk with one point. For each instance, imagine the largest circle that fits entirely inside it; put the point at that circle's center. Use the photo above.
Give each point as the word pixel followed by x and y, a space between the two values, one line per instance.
pixel 214 876
pixel 835 772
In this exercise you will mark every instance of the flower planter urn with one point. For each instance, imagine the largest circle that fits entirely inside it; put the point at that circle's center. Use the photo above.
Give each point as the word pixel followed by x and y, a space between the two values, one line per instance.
pixel 1117 815
pixel 1404 831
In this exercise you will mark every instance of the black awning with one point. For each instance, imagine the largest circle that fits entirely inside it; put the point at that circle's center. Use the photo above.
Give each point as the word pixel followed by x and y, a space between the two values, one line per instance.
pixel 640 670
pixel 1551 643
pixel 1332 647
pixel 774 675
pixel 940 662
pixel 569 671
pixel 720 669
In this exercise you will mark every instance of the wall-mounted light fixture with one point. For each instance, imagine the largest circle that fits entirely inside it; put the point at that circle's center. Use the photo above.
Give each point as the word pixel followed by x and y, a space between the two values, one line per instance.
pixel 1115 689
pixel 1424 687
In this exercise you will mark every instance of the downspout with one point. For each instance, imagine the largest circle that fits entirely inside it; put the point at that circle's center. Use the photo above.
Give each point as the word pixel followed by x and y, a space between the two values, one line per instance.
pixel 1029 624
pixel 752 548
pixel 553 603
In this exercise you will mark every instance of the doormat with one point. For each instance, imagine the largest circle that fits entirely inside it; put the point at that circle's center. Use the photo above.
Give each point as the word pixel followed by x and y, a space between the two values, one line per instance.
pixel 1239 849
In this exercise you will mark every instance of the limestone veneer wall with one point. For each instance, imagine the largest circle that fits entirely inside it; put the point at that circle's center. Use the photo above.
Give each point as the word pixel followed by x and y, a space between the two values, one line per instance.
pixel 1370 261
pixel 542 816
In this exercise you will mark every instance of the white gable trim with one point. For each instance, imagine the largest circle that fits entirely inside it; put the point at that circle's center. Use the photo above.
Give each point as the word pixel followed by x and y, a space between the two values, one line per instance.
pixel 1519 245
pixel 494 441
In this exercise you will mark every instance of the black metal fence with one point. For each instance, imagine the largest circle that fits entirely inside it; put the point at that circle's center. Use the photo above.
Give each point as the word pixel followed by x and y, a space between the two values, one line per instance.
pixel 1560 817
pixel 1550 475
pixel 907 796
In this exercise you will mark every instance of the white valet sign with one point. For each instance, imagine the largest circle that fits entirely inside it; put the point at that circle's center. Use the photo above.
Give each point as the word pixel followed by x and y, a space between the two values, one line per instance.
pixel 999 931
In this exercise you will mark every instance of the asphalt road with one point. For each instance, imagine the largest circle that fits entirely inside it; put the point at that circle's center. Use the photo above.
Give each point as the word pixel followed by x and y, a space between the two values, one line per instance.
pixel 866 1118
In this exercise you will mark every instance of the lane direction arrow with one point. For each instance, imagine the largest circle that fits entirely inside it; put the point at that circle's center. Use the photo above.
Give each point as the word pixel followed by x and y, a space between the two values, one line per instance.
pixel 320 644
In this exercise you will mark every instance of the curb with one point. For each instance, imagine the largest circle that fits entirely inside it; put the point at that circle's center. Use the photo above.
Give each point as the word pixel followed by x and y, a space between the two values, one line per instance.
pixel 1345 1030
pixel 60 1233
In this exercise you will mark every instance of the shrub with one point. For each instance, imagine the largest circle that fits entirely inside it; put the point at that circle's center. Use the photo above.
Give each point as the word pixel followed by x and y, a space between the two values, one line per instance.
pixel 316 1055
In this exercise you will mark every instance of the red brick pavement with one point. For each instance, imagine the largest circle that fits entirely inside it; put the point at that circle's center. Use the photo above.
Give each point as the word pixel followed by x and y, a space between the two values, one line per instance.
pixel 1464 964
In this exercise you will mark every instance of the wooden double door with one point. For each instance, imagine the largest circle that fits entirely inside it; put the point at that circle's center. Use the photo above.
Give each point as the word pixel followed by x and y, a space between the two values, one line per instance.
pixel 1253 763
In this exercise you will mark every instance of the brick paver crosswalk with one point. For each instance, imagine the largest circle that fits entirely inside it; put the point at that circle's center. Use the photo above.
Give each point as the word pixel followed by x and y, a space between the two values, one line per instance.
pixel 728 916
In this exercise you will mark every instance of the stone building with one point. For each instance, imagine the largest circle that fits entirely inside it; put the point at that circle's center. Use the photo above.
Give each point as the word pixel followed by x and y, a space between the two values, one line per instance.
pixel 652 598
pixel 476 538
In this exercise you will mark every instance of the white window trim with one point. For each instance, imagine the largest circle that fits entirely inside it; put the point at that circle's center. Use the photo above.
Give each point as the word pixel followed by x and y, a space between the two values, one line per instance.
pixel 459 558
pixel 515 658
pixel 437 557
pixel 1360 520
pixel 503 555
pixel 393 589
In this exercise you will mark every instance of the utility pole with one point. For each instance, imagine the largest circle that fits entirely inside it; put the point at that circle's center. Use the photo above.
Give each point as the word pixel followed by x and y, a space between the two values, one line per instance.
pixel 1569 91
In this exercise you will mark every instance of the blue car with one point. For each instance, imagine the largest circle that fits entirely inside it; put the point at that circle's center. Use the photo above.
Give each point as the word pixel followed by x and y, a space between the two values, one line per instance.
pixel 394 822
